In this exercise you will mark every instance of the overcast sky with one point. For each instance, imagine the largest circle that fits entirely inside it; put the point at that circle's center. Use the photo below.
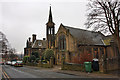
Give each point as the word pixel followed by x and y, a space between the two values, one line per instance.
pixel 19 19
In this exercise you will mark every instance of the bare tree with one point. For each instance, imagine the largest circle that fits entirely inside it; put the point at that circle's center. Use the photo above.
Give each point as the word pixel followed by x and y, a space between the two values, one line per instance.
pixel 6 48
pixel 104 16
pixel 3 43
pixel 12 53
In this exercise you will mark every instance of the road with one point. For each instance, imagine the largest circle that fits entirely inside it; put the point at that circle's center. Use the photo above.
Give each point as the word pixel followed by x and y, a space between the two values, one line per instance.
pixel 31 73
pixel 27 72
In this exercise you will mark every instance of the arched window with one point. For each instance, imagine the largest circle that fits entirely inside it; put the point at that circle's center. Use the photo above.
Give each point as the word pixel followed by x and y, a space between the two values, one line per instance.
pixel 27 52
pixel 62 42
pixel 96 53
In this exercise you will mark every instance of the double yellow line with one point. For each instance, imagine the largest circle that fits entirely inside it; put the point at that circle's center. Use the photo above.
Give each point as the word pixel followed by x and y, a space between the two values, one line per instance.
pixel 5 75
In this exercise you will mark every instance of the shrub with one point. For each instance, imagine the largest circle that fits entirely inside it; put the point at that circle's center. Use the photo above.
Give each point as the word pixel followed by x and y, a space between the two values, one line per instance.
pixel 36 54
pixel 25 59
pixel 32 58
pixel 37 60
pixel 84 57
pixel 47 54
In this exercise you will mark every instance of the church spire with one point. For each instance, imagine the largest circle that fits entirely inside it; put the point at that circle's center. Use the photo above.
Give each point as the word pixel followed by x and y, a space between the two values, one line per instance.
pixel 50 22
pixel 50 15
pixel 50 31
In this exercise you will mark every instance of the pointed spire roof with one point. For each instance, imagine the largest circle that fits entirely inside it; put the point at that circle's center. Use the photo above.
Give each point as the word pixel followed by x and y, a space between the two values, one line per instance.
pixel 50 20
pixel 50 15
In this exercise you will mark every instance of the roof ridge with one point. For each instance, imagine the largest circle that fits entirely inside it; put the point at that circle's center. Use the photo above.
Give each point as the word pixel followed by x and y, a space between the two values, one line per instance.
pixel 80 29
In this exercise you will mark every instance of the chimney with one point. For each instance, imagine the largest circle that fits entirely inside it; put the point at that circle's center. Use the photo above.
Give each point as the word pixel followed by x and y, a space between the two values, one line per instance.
pixel 43 38
pixel 33 38
pixel 29 39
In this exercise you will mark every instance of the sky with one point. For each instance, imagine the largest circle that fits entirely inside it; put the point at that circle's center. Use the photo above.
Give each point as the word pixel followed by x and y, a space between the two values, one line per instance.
pixel 19 19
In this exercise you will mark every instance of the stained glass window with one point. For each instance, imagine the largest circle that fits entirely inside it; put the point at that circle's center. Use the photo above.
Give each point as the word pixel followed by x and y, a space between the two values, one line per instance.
pixel 62 42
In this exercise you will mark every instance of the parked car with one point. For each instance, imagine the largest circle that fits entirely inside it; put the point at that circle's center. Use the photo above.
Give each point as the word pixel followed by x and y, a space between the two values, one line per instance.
pixel 8 62
pixel 13 63
pixel 1 63
pixel 18 64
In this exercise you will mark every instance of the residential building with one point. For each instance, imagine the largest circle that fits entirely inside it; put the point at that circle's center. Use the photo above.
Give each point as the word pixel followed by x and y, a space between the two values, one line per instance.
pixel 34 46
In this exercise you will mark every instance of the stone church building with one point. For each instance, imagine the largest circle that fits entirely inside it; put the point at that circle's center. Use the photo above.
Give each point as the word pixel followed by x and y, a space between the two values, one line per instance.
pixel 68 40
pixel 75 45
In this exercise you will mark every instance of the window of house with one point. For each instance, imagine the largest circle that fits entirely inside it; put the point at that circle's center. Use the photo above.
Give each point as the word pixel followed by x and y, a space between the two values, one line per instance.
pixel 96 53
pixel 89 50
pixel 69 56
pixel 101 51
pixel 39 43
pixel 63 56
pixel 81 49
pixel 62 42
pixel 27 52
pixel 58 57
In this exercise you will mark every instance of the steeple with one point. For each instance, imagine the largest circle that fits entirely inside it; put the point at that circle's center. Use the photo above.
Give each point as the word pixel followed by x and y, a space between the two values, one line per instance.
pixel 50 22
pixel 50 15
pixel 50 31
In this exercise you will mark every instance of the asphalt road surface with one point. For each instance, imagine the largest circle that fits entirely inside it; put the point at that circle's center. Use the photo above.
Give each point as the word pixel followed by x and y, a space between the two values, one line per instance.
pixel 30 73
pixel 27 72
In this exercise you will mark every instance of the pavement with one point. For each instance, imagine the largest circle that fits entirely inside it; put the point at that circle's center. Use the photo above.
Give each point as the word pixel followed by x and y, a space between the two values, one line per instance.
pixel 78 73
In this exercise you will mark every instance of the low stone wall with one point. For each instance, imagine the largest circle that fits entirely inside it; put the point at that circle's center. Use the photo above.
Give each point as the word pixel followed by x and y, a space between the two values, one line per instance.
pixel 31 64
pixel 108 65
pixel 45 65
pixel 112 64
pixel 49 64
pixel 72 66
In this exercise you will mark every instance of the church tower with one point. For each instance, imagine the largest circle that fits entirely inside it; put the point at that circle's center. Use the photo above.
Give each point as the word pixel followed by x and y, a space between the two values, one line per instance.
pixel 50 31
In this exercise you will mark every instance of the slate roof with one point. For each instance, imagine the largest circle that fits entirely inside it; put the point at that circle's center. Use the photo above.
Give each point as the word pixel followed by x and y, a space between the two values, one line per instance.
pixel 39 44
pixel 85 36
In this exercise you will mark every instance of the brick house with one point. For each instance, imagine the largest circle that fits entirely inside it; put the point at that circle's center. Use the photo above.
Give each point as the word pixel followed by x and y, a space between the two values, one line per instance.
pixel 34 46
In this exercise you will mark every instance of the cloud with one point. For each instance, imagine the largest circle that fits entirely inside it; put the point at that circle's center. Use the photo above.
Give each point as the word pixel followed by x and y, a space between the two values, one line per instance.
pixel 44 0
pixel 22 19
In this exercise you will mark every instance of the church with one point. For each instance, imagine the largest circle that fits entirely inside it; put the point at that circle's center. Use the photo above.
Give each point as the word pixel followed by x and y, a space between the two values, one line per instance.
pixel 66 42
pixel 75 45
pixel 78 45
